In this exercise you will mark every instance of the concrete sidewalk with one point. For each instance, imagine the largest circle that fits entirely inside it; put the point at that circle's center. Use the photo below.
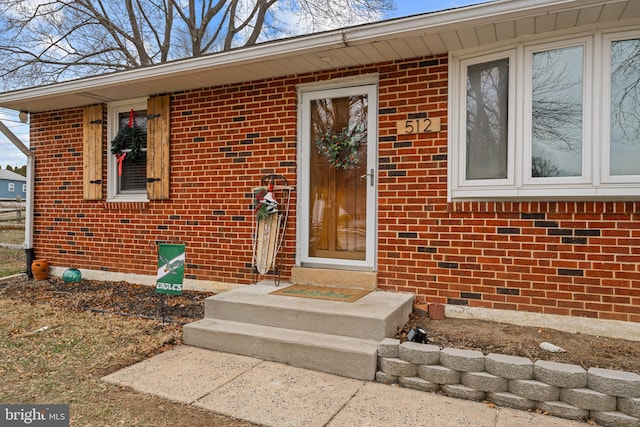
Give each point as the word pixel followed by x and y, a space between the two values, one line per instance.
pixel 274 394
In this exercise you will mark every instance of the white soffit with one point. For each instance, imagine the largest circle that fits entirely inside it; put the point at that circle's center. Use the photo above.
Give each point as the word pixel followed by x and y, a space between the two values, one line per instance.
pixel 414 36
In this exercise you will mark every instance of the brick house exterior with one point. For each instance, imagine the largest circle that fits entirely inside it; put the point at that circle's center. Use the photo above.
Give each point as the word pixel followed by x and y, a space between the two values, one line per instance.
pixel 569 256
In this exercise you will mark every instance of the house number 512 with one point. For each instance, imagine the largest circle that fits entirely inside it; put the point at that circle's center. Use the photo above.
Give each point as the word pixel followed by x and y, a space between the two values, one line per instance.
pixel 411 126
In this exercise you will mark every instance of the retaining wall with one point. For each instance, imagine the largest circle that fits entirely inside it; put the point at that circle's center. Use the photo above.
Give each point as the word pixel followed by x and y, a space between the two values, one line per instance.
pixel 611 398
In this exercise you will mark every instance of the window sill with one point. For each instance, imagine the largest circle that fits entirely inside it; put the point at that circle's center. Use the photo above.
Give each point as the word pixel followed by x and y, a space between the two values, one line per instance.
pixel 130 205
pixel 547 194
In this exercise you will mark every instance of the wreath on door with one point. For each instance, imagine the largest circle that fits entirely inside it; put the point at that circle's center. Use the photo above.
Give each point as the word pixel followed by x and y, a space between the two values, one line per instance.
pixel 341 149
pixel 128 136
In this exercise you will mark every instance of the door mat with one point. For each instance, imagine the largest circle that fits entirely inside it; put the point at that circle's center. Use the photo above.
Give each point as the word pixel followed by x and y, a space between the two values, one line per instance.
pixel 322 292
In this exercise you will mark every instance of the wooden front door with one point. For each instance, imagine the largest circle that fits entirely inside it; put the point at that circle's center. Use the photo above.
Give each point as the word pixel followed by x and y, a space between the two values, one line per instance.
pixel 339 157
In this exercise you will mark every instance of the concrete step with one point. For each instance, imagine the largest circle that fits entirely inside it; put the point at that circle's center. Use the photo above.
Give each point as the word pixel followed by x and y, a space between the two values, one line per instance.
pixel 339 355
pixel 375 316
pixel 329 336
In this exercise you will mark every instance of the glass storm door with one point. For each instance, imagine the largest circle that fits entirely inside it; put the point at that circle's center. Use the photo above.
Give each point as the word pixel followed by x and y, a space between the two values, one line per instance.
pixel 338 178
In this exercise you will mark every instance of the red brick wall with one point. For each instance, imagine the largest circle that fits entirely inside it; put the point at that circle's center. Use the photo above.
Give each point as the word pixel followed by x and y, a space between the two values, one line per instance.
pixel 569 258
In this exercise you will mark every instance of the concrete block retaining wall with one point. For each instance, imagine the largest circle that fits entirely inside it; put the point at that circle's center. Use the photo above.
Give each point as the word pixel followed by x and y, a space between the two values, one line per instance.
pixel 610 398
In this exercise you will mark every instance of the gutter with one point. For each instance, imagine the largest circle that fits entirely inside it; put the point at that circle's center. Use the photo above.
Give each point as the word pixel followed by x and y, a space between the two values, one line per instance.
pixel 28 220
pixel 96 89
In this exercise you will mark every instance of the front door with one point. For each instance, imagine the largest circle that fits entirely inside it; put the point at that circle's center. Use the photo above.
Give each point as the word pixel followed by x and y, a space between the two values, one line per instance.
pixel 338 178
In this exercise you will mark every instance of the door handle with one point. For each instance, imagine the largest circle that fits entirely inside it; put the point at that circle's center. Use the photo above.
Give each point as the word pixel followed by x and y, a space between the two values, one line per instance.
pixel 370 174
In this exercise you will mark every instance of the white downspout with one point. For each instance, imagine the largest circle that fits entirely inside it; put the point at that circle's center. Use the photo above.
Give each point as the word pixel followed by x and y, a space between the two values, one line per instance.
pixel 28 220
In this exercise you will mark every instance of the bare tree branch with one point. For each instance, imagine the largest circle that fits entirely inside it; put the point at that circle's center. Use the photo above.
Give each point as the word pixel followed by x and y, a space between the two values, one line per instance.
pixel 43 42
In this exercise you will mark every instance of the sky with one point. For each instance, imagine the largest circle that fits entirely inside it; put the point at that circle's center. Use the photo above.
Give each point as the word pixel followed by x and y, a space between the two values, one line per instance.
pixel 413 7
pixel 10 155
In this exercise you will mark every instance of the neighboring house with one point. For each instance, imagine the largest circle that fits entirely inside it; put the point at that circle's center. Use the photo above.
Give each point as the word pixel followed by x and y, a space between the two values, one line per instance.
pixel 12 185
pixel 495 159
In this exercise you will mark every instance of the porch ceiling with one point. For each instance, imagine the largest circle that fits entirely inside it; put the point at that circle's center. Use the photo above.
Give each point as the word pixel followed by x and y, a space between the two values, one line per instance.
pixel 419 35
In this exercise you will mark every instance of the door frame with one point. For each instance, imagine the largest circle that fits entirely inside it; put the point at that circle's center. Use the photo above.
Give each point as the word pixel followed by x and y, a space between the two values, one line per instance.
pixel 336 88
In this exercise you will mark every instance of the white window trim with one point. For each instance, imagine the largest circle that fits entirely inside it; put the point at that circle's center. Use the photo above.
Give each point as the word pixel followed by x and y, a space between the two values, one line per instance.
pixel 619 181
pixel 12 187
pixel 113 110
pixel 595 181
pixel 461 128
pixel 526 114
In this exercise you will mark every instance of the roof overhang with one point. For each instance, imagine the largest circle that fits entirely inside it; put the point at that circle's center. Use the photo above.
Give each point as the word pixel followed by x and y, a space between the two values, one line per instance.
pixel 397 39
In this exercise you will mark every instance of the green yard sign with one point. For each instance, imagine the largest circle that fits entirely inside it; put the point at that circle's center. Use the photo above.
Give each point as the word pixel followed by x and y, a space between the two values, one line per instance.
pixel 170 268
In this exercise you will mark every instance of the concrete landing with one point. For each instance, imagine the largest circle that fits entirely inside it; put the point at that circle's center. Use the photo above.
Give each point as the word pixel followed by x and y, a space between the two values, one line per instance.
pixel 329 336
pixel 375 316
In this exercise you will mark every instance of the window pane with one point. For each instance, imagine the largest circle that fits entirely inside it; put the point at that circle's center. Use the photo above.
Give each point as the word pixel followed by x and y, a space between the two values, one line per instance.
pixel 134 173
pixel 338 194
pixel 487 120
pixel 557 103
pixel 625 108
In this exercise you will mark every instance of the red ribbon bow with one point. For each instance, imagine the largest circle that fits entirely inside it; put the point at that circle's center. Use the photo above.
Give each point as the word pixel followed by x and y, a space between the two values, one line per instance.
pixel 119 159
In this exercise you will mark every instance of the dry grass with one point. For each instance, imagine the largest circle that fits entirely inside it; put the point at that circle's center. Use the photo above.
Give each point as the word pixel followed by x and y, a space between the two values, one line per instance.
pixel 12 261
pixel 64 364
pixel 14 236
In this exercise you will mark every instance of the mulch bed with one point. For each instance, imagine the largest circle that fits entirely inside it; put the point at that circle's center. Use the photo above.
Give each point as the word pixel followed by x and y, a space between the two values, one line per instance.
pixel 120 298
